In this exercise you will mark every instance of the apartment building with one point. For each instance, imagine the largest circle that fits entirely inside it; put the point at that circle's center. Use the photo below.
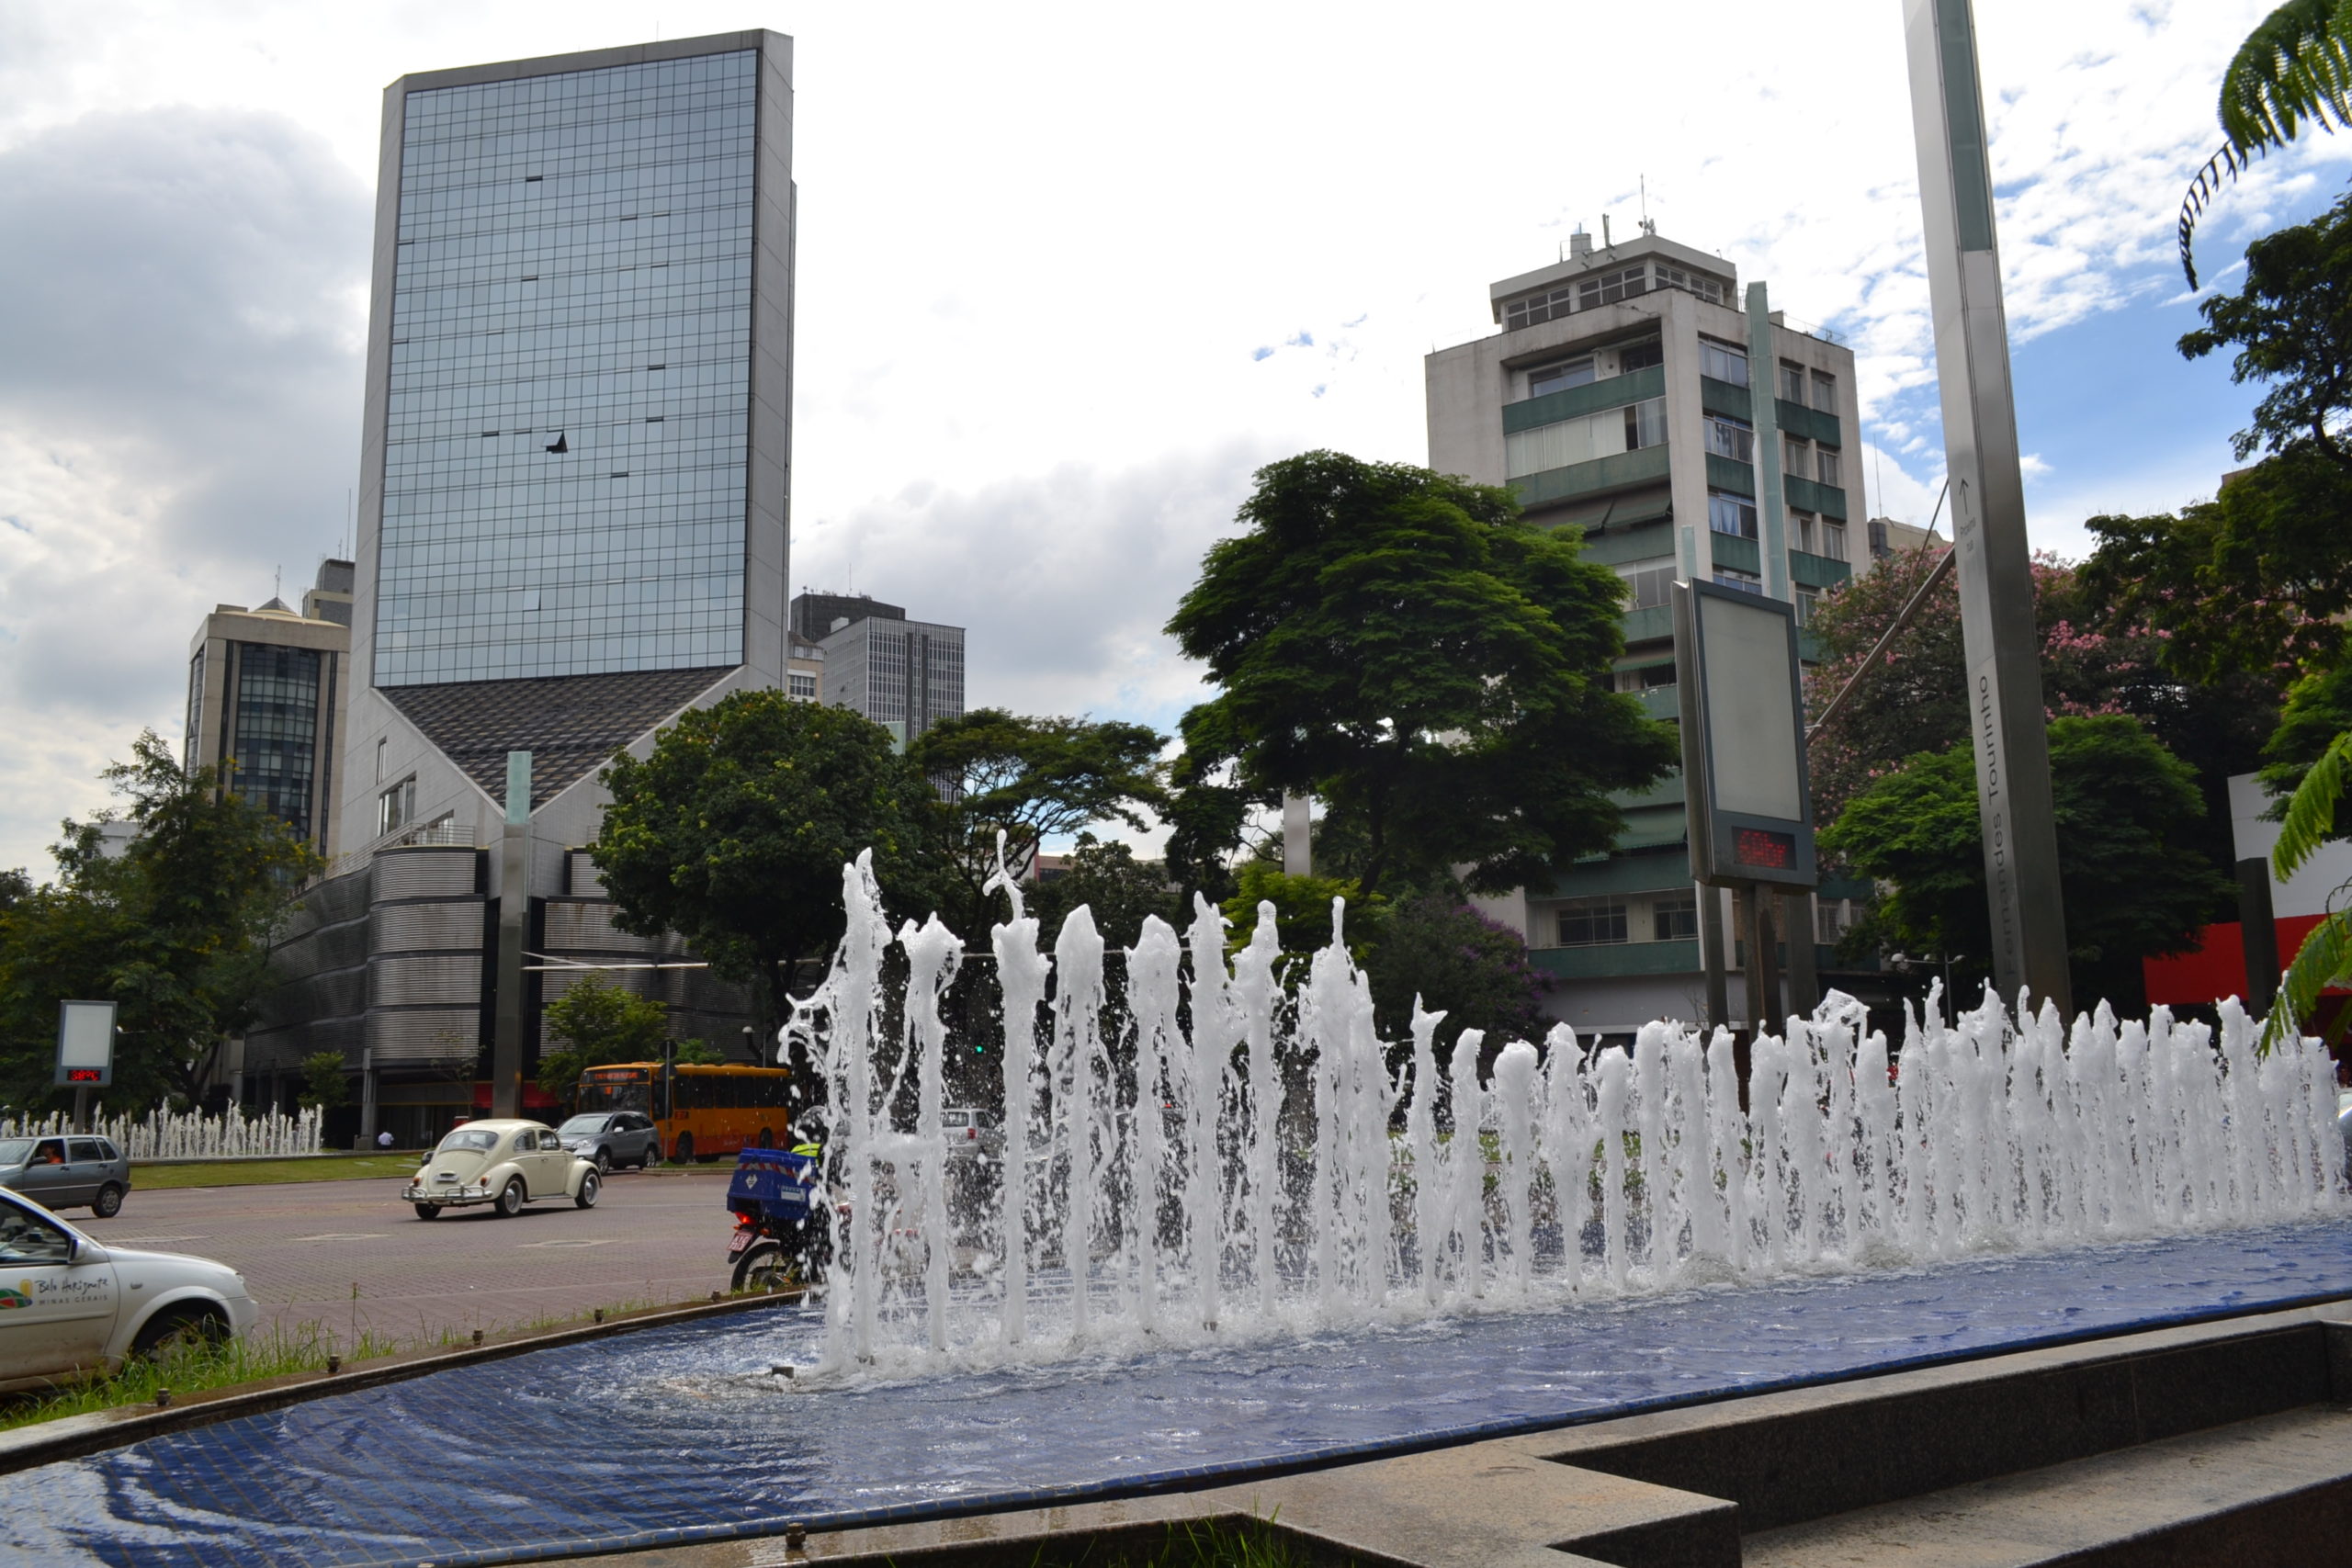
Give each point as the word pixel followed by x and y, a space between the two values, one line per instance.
pixel 1691 432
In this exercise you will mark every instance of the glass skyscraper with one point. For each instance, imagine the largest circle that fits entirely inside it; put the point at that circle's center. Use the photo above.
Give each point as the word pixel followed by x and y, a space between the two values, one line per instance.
pixel 575 480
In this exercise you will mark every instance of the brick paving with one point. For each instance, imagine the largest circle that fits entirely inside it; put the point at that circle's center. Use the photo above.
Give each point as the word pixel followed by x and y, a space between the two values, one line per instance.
pixel 302 1247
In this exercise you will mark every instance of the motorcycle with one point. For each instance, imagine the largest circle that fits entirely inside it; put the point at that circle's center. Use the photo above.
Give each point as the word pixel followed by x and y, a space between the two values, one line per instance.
pixel 782 1241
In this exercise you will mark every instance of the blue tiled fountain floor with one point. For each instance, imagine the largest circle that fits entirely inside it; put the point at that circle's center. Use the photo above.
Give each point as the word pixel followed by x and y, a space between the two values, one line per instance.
pixel 676 1434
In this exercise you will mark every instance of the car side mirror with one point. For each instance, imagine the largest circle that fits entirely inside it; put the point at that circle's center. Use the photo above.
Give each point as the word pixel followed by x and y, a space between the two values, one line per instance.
pixel 424 1159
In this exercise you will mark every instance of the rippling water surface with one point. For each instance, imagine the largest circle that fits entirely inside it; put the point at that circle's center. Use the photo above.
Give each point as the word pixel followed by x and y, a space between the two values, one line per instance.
pixel 684 1433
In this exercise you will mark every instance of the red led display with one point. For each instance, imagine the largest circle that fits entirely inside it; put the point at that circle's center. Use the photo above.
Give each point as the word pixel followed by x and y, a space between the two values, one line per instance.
pixel 83 1075
pixel 1754 846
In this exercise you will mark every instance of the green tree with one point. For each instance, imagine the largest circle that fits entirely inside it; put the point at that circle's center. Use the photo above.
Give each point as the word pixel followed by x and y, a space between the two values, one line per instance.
pixel 1121 890
pixel 597 1022
pixel 1302 912
pixel 1405 645
pixel 1461 964
pixel 2097 657
pixel 2122 805
pixel 174 929
pixel 734 830
pixel 323 1085
pixel 2293 70
pixel 1031 779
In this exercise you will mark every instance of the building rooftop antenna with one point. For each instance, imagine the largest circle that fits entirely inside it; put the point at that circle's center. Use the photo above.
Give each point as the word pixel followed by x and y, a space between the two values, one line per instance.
pixel 1649 224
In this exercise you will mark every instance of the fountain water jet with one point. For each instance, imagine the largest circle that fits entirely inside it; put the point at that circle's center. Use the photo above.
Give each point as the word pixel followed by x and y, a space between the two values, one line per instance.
pixel 1226 1156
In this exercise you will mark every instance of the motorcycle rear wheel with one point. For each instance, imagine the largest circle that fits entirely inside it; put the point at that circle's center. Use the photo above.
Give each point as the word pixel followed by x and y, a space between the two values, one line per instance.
pixel 765 1268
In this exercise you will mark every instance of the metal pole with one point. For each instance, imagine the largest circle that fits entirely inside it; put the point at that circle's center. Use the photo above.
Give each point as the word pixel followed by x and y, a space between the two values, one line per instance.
pixel 1988 506
pixel 1804 981
pixel 1298 835
pixel 513 926
pixel 1713 956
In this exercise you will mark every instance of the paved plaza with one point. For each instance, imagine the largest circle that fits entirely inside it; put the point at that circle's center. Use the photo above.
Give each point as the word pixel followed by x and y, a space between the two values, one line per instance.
pixel 654 1237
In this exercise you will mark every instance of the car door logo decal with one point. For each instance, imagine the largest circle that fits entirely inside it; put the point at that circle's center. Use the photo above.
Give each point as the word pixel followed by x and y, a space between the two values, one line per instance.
pixel 22 1296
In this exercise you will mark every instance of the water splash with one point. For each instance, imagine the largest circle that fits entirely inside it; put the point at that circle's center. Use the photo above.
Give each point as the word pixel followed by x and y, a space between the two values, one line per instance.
pixel 1226 1156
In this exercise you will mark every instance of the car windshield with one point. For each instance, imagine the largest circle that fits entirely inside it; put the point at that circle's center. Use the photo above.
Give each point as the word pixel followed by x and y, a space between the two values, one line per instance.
pixel 14 1150
pixel 470 1138
pixel 583 1125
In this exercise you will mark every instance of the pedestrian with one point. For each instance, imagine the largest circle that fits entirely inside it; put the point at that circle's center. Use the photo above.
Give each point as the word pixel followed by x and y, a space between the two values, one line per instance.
pixel 384 1139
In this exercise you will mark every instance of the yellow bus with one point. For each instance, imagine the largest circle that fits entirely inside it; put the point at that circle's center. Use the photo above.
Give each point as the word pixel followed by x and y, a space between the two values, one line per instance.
pixel 701 1111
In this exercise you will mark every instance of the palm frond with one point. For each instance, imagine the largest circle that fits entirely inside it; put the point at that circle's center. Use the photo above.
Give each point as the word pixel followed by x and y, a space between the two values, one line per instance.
pixel 2294 69
pixel 2318 962
pixel 2311 811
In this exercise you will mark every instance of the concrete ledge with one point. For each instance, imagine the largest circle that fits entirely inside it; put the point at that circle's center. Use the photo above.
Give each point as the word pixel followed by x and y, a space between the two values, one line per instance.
pixel 74 1436
pixel 1807 1453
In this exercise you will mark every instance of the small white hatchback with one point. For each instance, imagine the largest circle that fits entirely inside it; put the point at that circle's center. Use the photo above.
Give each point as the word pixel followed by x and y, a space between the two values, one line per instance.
pixel 69 1305
pixel 504 1164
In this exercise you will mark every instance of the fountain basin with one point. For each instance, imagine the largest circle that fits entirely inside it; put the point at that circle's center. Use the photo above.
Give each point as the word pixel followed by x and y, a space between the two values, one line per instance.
pixel 681 1433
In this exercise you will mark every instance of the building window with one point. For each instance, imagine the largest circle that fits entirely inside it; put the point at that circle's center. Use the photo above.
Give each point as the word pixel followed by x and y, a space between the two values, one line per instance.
pixel 1567 442
pixel 1824 391
pixel 1534 309
pixel 1640 356
pixel 1649 580
pixel 396 807
pixel 1732 438
pixel 1730 513
pixel 1723 361
pixel 800 686
pixel 1648 678
pixel 1833 539
pixel 1792 382
pixel 1592 922
pixel 1796 457
pixel 1826 466
pixel 1832 918
pixel 1561 377
pixel 1626 283
pixel 1807 600
pixel 1674 918
pixel 1801 528
pixel 1699 283
pixel 1746 581
pixel 1645 424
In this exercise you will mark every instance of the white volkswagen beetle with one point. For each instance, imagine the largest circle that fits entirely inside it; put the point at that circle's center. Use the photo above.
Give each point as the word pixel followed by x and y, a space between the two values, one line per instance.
pixel 504 1164
pixel 69 1305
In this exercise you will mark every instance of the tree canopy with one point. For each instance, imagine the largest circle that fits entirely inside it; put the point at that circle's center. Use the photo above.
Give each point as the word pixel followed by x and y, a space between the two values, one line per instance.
pixel 1405 645
pixel 1031 779
pixel 2123 805
pixel 595 1022
pixel 734 830
pixel 174 929
pixel 2095 659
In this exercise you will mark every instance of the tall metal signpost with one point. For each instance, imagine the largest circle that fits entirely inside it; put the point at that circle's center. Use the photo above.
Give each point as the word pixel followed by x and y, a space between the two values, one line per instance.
pixel 1746 784
pixel 1988 505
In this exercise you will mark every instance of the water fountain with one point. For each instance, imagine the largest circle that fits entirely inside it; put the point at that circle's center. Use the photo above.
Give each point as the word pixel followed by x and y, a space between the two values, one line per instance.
pixel 1234 1231
pixel 1221 1157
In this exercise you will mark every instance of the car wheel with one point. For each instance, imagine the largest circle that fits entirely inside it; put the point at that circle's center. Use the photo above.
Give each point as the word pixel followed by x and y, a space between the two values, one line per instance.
pixel 603 1160
pixel 428 1211
pixel 510 1200
pixel 764 1268
pixel 590 1185
pixel 652 1155
pixel 682 1151
pixel 185 1323
pixel 108 1202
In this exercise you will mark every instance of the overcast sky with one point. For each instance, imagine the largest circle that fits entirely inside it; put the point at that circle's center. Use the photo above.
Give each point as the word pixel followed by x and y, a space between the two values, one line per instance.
pixel 1067 276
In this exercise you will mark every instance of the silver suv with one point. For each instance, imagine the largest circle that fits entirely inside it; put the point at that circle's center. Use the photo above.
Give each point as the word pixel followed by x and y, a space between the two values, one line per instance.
pixel 69 1171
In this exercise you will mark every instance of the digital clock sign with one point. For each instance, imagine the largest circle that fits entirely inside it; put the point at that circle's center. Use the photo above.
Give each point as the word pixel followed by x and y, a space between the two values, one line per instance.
pixel 1761 848
pixel 84 1075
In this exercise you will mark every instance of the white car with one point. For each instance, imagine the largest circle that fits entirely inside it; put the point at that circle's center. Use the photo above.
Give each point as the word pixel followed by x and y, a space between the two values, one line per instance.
pixel 68 1304
pixel 504 1164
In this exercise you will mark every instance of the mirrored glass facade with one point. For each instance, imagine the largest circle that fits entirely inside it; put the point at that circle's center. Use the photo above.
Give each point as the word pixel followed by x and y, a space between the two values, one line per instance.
pixel 573 270
pixel 276 733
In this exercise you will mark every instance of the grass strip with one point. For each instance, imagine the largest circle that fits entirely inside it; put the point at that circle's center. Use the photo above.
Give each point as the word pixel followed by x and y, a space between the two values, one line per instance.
pixel 268 1172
